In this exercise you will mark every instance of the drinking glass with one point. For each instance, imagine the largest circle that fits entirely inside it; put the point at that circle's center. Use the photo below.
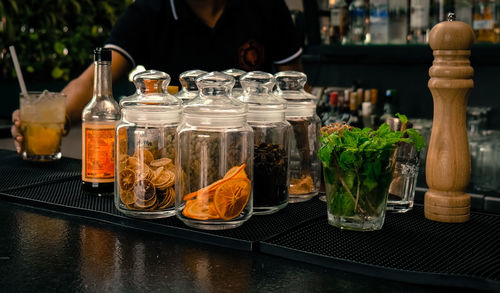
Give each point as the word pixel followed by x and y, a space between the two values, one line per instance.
pixel 404 181
pixel 42 123
pixel 485 166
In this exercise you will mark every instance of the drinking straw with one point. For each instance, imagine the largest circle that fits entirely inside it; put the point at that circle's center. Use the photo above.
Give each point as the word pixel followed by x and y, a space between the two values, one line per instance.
pixel 18 71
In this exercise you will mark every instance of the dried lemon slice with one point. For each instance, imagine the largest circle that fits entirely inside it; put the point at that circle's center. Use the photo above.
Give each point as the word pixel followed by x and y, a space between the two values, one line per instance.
pixel 127 197
pixel 164 180
pixel 144 190
pixel 143 172
pixel 161 162
pixel 127 179
pixel 144 155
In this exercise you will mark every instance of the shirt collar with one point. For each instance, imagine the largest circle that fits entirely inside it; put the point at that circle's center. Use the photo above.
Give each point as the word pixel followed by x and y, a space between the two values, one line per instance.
pixel 181 10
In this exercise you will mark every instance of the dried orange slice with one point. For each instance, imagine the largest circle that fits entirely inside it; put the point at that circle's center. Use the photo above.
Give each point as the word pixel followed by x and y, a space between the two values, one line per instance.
pixel 143 172
pixel 144 155
pixel 127 179
pixel 164 180
pixel 144 190
pixel 161 162
pixel 234 172
pixel 123 161
pixel 231 197
pixel 132 163
pixel 127 197
pixel 168 198
pixel 198 210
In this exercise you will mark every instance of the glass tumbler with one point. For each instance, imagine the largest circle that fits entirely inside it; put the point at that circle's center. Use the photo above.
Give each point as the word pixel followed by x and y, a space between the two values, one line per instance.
pixel 485 163
pixel 42 116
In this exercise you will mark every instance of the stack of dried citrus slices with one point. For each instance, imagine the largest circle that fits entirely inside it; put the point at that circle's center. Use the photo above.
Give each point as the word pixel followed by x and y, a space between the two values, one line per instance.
pixel 145 183
pixel 224 199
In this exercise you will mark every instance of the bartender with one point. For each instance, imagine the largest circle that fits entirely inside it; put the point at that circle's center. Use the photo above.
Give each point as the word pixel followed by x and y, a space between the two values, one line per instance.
pixel 179 35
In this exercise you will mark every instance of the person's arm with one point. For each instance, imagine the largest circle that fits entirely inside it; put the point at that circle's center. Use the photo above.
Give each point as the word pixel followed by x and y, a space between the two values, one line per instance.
pixel 79 92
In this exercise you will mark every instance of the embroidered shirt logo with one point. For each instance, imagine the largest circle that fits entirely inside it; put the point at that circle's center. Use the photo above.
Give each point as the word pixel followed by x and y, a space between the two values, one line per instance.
pixel 250 55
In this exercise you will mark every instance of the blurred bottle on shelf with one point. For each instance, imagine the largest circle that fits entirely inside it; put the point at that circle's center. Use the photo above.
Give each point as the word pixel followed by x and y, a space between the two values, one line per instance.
pixel 366 109
pixel 485 21
pixel 345 108
pixel 419 21
pixel 375 113
pixel 354 119
pixel 379 22
pixel 463 11
pixel 359 20
pixel 440 9
pixel 390 99
pixel 339 21
pixel 398 21
pixel 334 114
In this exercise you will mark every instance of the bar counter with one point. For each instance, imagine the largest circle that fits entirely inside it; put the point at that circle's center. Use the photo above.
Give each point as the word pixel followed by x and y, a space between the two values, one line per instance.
pixel 45 250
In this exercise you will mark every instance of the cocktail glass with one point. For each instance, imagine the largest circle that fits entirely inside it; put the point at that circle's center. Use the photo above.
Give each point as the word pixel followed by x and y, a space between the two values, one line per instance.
pixel 42 122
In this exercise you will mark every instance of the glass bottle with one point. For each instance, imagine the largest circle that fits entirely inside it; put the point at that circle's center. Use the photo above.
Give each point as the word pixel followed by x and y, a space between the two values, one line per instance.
pixel 145 174
pixel 305 168
pixel 354 119
pixel 188 81
pixel 463 11
pixel 237 90
pixel 359 19
pixel 398 21
pixel 99 119
pixel 215 158
pixel 485 21
pixel 419 21
pixel 388 107
pixel 266 115
pixel 379 22
pixel 339 21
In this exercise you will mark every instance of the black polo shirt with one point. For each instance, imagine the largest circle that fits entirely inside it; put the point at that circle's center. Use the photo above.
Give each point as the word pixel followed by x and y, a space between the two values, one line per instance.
pixel 168 36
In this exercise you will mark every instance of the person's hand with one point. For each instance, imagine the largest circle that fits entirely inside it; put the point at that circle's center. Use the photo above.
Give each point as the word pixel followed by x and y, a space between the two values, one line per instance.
pixel 15 130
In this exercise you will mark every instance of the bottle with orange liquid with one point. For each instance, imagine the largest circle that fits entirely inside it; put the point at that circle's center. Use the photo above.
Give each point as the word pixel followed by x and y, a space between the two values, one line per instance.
pixel 99 120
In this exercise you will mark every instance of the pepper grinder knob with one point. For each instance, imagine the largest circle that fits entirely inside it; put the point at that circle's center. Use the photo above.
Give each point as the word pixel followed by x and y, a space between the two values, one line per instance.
pixel 448 158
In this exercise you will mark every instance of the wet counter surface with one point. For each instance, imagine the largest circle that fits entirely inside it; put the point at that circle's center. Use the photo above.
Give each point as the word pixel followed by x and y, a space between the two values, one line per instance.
pixel 42 251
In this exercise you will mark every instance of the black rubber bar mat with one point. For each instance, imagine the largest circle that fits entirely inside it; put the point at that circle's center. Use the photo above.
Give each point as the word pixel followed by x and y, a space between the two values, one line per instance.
pixel 67 197
pixel 409 248
pixel 17 173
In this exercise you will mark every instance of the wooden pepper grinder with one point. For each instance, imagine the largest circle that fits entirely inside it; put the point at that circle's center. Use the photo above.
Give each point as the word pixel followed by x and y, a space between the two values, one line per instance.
pixel 448 159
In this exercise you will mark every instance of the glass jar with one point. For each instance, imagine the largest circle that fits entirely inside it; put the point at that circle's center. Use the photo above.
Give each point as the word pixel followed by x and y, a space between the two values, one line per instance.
pixel 188 81
pixel 145 149
pixel 215 158
pixel 266 115
pixel 305 168
pixel 237 90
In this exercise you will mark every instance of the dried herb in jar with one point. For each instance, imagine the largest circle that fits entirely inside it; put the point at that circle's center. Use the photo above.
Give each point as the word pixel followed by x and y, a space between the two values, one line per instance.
pixel 270 175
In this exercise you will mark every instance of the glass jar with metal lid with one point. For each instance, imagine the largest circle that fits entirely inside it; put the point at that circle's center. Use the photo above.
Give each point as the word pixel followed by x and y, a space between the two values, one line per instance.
pixel 215 158
pixel 145 148
pixel 266 115
pixel 305 168
pixel 189 89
